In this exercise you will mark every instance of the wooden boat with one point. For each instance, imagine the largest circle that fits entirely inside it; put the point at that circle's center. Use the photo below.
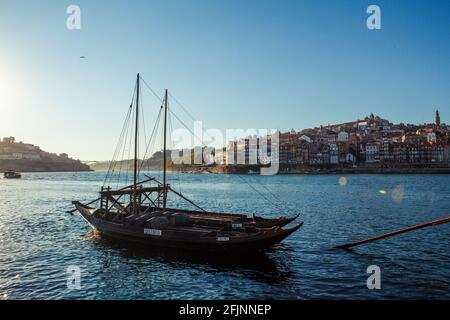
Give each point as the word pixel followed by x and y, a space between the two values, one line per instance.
pixel 220 219
pixel 139 213
pixel 10 174
pixel 188 236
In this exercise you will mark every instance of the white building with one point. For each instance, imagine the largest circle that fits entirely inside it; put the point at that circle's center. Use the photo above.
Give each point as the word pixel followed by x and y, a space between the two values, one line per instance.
pixel 19 156
pixel 431 137
pixel 362 125
pixel 447 154
pixel 31 156
pixel 342 136
pixel 334 153
pixel 304 137
pixel 220 157
pixel 372 152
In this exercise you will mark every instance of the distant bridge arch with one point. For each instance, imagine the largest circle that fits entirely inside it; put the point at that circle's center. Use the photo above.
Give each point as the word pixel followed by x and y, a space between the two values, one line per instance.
pixel 88 162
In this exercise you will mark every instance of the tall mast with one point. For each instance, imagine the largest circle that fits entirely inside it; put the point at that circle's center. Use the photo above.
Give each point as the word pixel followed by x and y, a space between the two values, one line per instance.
pixel 165 153
pixel 136 136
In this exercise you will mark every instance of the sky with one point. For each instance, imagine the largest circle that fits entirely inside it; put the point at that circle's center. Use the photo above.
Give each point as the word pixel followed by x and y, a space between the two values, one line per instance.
pixel 233 64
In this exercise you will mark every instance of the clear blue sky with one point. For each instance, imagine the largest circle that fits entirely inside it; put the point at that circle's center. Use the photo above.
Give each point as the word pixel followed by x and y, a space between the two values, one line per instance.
pixel 234 64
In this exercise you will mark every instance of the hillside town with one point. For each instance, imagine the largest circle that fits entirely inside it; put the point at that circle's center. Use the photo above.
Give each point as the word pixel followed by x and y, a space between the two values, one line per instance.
pixel 370 142
pixel 25 157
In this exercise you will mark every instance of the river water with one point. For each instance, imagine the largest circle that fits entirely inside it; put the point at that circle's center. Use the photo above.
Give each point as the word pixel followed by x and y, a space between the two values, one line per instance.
pixel 39 241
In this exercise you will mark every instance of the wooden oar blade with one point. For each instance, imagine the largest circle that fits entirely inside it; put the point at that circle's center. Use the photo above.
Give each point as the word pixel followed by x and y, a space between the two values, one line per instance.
pixel 393 233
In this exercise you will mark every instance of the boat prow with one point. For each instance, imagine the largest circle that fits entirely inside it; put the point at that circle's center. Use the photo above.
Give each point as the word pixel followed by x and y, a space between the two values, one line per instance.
pixel 280 222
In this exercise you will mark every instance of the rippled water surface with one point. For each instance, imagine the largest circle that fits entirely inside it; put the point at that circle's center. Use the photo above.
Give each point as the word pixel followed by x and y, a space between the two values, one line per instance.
pixel 38 240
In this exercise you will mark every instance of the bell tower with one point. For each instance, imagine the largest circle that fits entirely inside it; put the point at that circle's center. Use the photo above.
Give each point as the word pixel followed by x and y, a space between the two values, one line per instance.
pixel 437 119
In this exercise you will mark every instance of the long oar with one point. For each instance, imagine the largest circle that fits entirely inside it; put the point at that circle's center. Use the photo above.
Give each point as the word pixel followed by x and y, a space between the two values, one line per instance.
pixel 390 234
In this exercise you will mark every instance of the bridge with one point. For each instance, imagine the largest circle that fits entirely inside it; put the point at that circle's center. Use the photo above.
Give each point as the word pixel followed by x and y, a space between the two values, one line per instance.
pixel 88 162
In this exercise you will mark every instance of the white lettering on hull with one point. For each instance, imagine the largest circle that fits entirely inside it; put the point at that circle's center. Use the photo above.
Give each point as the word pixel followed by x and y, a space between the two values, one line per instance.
pixel 153 232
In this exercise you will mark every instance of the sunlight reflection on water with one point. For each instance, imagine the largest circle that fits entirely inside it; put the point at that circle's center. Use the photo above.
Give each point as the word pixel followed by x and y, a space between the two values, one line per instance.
pixel 39 240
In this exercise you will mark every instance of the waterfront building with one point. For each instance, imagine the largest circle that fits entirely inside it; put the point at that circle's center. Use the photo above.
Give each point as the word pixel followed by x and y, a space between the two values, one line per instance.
pixel 399 152
pixel 301 153
pixel 230 158
pixel 319 154
pixel 372 140
pixel 334 153
pixel 438 154
pixel 447 154
pixel 285 152
pixel 372 152
pixel 350 158
pixel 342 136
pixel 220 156
pixel 343 148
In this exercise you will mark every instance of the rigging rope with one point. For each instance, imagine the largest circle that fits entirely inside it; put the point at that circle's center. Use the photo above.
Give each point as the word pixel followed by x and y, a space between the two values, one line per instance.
pixel 129 148
pixel 151 142
pixel 151 137
pixel 154 93
pixel 121 162
pixel 261 194
pixel 172 145
pixel 112 163
pixel 280 201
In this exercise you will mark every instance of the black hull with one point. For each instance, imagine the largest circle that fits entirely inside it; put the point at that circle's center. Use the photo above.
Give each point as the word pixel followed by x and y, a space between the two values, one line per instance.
pixel 204 218
pixel 182 238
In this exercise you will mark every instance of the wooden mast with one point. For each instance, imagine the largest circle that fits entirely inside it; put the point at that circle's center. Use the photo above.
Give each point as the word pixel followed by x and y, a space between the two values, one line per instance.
pixel 136 135
pixel 165 153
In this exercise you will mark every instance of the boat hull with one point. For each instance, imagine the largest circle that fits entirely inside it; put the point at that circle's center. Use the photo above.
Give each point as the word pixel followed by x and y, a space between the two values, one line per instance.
pixel 184 239
pixel 12 176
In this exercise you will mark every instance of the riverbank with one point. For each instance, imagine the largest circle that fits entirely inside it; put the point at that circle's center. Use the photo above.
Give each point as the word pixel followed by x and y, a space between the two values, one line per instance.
pixel 310 170
pixel 291 169
pixel 43 166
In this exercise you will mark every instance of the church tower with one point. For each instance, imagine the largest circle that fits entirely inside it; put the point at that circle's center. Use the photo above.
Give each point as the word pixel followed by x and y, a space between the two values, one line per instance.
pixel 437 119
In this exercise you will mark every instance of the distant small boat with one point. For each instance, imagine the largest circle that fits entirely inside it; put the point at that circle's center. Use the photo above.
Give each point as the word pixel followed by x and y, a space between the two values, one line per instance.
pixel 10 174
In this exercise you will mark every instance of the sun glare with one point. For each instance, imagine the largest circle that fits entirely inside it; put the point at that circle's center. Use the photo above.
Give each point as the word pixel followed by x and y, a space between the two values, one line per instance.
pixel 11 97
pixel 7 87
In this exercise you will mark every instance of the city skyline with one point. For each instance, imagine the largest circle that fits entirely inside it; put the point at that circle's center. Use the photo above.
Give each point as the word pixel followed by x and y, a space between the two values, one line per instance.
pixel 226 144
pixel 233 65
